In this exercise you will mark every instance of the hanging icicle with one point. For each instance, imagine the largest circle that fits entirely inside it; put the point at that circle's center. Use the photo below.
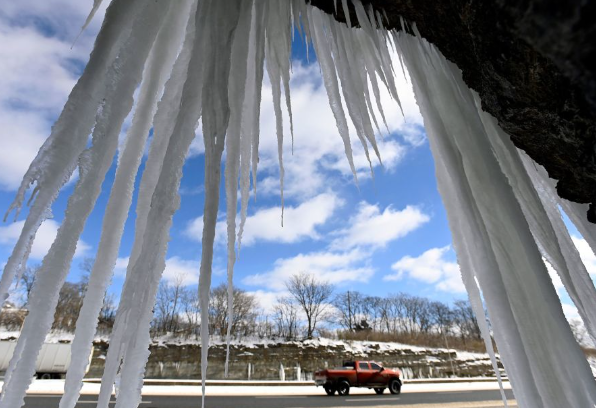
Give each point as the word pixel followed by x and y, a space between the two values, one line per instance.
pixel 204 60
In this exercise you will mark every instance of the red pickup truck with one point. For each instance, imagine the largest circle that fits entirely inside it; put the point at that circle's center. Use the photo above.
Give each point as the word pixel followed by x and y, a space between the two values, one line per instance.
pixel 364 374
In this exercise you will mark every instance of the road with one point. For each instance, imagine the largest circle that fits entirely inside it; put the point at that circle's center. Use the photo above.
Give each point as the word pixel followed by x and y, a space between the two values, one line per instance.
pixel 451 399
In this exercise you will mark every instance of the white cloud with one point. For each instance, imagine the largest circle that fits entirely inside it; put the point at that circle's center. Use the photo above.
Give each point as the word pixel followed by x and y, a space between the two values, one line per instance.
pixel 46 234
pixel 570 311
pixel 38 70
pixel 300 223
pixel 121 265
pixel 267 299
pixel 375 228
pixel 554 276
pixel 335 267
pixel 431 267
pixel 586 254
pixel 185 270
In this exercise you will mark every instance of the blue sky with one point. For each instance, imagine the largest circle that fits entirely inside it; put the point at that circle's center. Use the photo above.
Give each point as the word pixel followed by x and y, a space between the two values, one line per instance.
pixel 388 235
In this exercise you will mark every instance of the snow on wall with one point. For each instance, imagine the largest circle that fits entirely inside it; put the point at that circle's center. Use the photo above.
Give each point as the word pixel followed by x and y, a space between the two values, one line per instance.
pixel 205 60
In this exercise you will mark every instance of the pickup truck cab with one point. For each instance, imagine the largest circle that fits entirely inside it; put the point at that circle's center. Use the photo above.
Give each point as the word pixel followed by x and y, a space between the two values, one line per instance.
pixel 364 374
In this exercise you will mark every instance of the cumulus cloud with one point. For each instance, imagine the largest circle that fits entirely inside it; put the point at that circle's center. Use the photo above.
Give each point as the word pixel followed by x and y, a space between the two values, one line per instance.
pixel 46 234
pixel 121 265
pixel 264 225
pixel 185 271
pixel 375 228
pixel 430 267
pixel 554 276
pixel 335 267
pixel 268 299
pixel 177 269
pixel 346 258
pixel 586 254
pixel 38 70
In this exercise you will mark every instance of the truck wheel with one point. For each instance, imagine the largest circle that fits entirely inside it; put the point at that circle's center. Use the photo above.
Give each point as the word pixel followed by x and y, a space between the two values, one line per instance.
pixel 394 387
pixel 44 376
pixel 330 390
pixel 343 388
pixel 379 390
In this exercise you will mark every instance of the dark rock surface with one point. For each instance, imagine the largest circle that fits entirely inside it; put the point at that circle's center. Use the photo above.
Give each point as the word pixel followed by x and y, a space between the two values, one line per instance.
pixel 533 62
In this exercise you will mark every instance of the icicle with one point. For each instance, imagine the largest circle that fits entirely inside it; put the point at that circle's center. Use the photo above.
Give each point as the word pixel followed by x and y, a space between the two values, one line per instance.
pixel 352 83
pixel 58 157
pixel 278 67
pixel 56 264
pixel 249 154
pixel 471 242
pixel 96 5
pixel 567 262
pixel 478 308
pixel 544 220
pixel 451 113
pixel 157 67
pixel 332 87
pixel 237 86
pixel 170 144
pixel 221 22
pixel 344 5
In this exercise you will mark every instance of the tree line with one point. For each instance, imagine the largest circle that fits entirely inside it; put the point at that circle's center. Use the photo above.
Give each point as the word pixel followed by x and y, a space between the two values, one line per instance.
pixel 311 308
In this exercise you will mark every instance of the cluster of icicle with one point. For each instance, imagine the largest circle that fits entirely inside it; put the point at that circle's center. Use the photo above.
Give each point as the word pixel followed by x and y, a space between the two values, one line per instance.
pixel 205 60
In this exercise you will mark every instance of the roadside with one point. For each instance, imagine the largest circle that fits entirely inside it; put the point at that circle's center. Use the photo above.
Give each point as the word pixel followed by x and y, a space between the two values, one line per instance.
pixel 240 388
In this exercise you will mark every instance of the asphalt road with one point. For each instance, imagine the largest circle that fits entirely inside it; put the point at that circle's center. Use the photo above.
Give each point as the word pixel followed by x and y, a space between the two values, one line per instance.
pixel 472 399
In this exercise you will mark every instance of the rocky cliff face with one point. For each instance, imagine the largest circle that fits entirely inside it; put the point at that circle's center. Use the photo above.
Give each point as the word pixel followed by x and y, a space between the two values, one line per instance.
pixel 299 360
pixel 533 64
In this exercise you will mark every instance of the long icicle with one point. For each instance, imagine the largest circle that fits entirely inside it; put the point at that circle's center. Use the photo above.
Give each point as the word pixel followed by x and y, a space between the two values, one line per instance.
pixel 251 112
pixel 544 220
pixel 57 158
pixel 93 168
pixel 237 86
pixel 165 201
pixel 182 102
pixel 332 87
pixel 219 29
pixel 160 62
pixel 575 277
pixel 534 302
pixel 475 255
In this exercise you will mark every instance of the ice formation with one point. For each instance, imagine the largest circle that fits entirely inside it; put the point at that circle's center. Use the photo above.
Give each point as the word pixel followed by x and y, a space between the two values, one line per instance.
pixel 205 60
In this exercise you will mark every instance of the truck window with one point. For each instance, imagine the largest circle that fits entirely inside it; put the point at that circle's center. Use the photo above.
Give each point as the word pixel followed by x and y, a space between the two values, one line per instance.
pixel 363 366
pixel 375 366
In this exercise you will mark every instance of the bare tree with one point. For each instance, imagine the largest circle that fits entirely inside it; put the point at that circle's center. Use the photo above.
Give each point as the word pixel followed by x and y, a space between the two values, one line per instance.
pixel 350 309
pixel 245 312
pixel 313 296
pixel 442 317
pixel 286 317
pixel 167 305
pixel 27 280
pixel 394 313
pixel 107 314
pixel 191 308
pixel 70 301
pixel 466 320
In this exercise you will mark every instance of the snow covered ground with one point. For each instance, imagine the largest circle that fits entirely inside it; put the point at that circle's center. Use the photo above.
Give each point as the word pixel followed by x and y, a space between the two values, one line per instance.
pixel 57 387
